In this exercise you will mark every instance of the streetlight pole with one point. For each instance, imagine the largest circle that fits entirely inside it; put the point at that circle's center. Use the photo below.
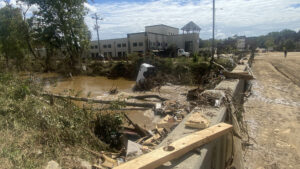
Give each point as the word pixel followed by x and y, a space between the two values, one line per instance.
pixel 213 35
pixel 97 29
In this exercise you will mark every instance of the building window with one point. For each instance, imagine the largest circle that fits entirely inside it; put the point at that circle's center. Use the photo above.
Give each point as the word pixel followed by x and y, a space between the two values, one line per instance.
pixel 135 44
pixel 105 54
pixel 124 54
pixel 141 44
pixel 158 43
pixel 104 46
pixel 92 47
pixel 124 45
pixel 93 55
pixel 109 45
pixel 119 45
pixel 96 47
pixel 110 54
pixel 119 54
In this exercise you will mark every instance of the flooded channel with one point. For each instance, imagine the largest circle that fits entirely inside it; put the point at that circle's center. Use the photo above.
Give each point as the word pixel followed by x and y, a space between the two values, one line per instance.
pixel 95 87
pixel 84 85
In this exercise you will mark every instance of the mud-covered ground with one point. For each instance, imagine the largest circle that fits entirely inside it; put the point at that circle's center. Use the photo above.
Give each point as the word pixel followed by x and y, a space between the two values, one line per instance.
pixel 272 113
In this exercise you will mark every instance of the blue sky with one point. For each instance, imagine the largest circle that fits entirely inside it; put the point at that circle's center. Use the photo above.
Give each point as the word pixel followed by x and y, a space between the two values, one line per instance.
pixel 241 17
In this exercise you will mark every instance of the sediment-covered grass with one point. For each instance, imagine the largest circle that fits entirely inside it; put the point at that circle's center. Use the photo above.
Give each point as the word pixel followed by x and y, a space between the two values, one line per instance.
pixel 33 131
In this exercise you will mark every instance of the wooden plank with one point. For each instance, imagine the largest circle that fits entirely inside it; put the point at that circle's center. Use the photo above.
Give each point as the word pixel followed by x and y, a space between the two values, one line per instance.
pixel 238 75
pixel 178 148
pixel 147 105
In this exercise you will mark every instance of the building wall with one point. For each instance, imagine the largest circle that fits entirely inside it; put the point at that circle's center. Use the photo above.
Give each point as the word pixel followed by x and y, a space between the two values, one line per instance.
pixel 162 29
pixel 157 41
pixel 137 42
pixel 155 38
pixel 109 48
pixel 188 42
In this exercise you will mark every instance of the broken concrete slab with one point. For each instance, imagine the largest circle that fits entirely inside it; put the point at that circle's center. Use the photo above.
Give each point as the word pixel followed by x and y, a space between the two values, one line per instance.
pixel 133 149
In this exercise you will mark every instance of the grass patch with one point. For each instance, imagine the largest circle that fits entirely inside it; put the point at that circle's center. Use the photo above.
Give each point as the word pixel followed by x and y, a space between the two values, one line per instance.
pixel 34 132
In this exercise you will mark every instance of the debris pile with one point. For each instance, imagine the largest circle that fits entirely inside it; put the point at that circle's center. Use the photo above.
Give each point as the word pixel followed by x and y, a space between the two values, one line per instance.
pixel 137 140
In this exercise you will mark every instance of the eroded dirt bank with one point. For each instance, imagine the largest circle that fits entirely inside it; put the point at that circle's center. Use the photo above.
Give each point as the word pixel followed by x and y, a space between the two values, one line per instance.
pixel 272 113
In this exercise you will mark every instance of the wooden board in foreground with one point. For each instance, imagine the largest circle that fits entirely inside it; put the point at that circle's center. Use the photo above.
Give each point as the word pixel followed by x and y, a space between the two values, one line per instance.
pixel 177 149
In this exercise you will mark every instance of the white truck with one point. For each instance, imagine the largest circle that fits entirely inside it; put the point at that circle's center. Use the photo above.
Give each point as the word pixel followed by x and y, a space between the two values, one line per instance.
pixel 181 52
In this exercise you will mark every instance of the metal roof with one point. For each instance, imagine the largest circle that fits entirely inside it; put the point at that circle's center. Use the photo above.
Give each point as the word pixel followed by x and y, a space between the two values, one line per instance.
pixel 191 26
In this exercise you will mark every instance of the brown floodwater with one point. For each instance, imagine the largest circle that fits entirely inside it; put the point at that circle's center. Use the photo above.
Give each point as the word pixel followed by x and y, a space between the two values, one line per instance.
pixel 91 86
pixel 95 87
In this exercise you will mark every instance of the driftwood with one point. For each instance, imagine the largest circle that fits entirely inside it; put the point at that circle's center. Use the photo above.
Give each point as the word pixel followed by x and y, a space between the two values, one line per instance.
pixel 147 105
pixel 148 96
pixel 138 129
pixel 238 75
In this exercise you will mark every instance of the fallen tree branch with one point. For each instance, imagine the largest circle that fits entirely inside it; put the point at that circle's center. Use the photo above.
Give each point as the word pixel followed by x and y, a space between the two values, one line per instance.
pixel 148 96
pixel 222 67
pixel 147 105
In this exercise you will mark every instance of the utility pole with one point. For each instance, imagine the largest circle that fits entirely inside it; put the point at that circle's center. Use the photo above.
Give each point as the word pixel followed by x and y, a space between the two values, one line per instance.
pixel 213 35
pixel 97 29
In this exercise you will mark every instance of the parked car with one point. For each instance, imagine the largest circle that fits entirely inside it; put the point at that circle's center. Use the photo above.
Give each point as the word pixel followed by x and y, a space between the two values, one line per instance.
pixel 181 52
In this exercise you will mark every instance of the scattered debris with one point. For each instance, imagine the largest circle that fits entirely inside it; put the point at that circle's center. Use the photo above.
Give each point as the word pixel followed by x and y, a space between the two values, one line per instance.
pixel 143 132
pixel 194 94
pixel 168 122
pixel 198 121
pixel 108 162
pixel 133 149
pixel 52 165
pixel 213 97
pixel 113 91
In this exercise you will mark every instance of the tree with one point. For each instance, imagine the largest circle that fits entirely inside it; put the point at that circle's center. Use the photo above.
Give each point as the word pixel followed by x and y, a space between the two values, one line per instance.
pixel 59 24
pixel 269 43
pixel 12 38
pixel 290 45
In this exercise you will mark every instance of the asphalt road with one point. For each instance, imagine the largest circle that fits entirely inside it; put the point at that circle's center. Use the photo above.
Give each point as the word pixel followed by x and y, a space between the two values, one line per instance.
pixel 272 113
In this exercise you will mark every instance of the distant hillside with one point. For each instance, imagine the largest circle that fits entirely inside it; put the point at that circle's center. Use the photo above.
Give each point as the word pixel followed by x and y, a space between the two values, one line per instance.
pixel 277 40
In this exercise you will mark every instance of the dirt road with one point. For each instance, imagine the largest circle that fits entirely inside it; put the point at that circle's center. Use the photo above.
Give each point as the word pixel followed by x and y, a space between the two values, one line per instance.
pixel 272 113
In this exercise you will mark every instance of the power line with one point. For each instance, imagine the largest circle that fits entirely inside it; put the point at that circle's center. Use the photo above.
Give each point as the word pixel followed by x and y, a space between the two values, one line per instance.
pixel 97 27
pixel 213 35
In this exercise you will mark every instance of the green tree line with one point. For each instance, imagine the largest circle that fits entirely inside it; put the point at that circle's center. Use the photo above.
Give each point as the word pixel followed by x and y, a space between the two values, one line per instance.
pixel 288 39
pixel 277 41
pixel 56 27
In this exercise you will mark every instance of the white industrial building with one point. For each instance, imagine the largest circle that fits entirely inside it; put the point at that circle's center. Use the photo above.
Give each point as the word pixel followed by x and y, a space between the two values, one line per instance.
pixel 156 37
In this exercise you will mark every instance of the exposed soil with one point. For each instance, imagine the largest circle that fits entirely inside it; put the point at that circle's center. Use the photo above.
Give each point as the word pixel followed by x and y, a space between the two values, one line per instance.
pixel 272 113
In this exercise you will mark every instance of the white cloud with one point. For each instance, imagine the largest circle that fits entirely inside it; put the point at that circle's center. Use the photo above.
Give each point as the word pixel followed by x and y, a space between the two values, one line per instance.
pixel 242 17
pixel 21 5
pixel 2 3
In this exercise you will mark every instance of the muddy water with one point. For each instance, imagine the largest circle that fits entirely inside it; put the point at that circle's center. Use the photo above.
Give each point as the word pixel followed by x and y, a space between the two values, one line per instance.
pixel 84 85
pixel 93 87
